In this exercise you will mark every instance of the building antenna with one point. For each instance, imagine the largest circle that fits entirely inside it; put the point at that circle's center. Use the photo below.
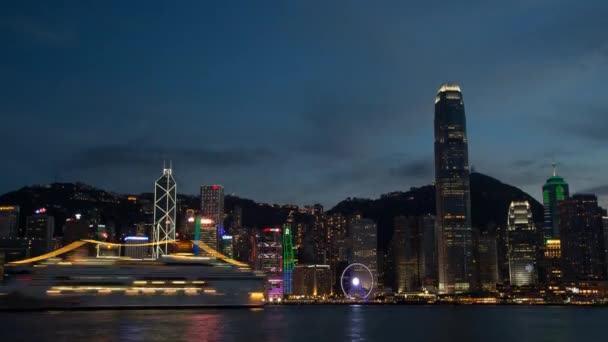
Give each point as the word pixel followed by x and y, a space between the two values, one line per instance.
pixel 554 164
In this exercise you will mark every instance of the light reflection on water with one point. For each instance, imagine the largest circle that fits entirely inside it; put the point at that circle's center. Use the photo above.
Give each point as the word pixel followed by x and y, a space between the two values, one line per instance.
pixel 313 324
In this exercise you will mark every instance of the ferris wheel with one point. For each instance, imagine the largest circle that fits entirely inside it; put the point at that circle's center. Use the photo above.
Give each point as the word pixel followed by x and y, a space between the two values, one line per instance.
pixel 357 281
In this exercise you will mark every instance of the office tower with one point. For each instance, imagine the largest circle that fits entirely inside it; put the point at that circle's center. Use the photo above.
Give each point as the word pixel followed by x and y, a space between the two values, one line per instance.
pixel 41 227
pixel 580 227
pixel 522 237
pixel 269 259
pixel 399 254
pixel 553 262
pixel 288 257
pixel 9 221
pixel 212 207
pixel 407 243
pixel 319 238
pixel 428 253
pixel 165 208
pixel 453 204
pixel 555 190
pixel 487 259
pixel 312 280
pixel 364 245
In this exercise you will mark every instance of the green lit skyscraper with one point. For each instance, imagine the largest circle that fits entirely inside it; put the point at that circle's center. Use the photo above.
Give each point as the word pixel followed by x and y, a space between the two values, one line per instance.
pixel 453 199
pixel 555 190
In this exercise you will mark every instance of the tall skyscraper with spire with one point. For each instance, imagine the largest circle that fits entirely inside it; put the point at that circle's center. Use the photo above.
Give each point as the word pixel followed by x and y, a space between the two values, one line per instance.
pixel 453 203
pixel 555 190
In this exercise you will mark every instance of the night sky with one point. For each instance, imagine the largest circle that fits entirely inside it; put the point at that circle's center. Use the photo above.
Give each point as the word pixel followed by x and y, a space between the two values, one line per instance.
pixel 299 101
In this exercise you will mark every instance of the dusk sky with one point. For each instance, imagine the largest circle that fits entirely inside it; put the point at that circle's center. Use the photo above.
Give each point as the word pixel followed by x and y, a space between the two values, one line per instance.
pixel 299 101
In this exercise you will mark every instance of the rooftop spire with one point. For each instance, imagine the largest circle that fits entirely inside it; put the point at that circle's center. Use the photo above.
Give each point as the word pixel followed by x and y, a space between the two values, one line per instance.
pixel 554 169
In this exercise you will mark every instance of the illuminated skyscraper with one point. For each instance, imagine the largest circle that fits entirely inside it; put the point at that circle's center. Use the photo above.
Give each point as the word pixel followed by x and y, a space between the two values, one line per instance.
pixel 212 206
pixel 288 258
pixel 522 237
pixel 364 239
pixel 453 204
pixel 555 190
pixel 270 261
pixel 580 226
pixel 165 205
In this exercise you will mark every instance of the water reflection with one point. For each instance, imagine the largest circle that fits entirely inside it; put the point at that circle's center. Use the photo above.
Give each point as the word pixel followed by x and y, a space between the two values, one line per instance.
pixel 356 324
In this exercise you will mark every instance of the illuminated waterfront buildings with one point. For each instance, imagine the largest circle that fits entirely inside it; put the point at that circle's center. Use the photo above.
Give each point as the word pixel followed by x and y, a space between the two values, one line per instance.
pixel 212 206
pixel 453 204
pixel 522 238
pixel 580 225
pixel 555 190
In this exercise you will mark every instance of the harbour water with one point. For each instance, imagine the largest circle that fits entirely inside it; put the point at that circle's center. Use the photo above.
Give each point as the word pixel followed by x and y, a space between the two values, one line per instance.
pixel 314 324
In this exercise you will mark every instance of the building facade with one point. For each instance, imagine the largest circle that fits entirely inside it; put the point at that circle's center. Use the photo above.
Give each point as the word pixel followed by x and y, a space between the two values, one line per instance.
pixel 212 207
pixel 580 226
pixel 269 259
pixel 364 248
pixel 555 190
pixel 523 251
pixel 41 227
pixel 312 280
pixel 452 184
pixel 9 221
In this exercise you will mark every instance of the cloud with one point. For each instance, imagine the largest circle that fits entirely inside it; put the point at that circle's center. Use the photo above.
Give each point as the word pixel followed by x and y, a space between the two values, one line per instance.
pixel 414 169
pixel 598 190
pixel 152 156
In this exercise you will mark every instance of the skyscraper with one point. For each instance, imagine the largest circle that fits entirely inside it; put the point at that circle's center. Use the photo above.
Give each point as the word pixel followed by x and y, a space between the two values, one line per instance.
pixel 41 227
pixel 487 258
pixel 453 203
pixel 212 207
pixel 555 190
pixel 428 252
pixel 522 238
pixel 364 239
pixel 580 226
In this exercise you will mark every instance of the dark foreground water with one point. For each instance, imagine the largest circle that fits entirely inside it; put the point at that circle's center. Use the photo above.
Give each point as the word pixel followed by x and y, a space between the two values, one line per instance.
pixel 314 324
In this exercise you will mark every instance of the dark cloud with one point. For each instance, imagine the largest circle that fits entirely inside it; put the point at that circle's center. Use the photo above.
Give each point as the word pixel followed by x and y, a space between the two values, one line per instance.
pixel 414 170
pixel 153 156
pixel 598 190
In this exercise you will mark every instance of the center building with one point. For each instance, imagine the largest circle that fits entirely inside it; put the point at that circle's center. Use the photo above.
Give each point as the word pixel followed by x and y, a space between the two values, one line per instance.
pixel 453 198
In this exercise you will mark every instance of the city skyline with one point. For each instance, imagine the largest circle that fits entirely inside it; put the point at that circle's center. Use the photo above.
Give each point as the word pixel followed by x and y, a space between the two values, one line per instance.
pixel 355 120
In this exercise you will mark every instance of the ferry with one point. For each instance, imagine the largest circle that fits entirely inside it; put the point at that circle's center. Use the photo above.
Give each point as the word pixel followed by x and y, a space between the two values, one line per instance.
pixel 169 282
